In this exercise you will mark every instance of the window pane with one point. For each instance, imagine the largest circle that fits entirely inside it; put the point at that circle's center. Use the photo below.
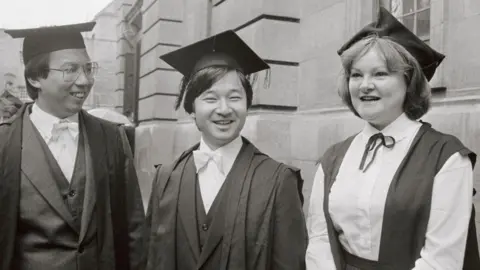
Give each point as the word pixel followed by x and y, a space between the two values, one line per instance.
pixel 396 8
pixel 408 6
pixel 421 4
pixel 408 21
pixel 423 23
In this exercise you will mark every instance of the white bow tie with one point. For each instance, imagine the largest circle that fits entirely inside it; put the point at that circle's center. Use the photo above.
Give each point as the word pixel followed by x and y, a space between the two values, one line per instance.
pixel 201 159
pixel 64 126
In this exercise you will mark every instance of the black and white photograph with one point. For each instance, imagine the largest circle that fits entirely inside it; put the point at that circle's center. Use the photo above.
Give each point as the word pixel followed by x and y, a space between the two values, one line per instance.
pixel 239 134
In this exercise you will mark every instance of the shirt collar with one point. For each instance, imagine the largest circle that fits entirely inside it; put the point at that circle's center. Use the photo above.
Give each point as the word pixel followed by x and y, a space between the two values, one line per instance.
pixel 229 152
pixel 44 121
pixel 398 129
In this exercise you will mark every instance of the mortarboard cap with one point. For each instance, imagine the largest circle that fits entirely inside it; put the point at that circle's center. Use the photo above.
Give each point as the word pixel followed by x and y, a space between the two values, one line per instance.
pixel 388 26
pixel 224 49
pixel 49 39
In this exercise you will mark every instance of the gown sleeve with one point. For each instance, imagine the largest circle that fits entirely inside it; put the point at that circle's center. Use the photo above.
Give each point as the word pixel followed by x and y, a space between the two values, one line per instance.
pixel 290 234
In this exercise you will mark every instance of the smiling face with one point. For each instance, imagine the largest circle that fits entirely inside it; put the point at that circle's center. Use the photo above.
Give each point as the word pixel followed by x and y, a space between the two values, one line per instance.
pixel 58 96
pixel 377 93
pixel 220 111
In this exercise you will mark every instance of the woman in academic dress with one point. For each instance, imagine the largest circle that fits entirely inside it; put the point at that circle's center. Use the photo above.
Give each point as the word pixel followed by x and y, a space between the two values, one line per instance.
pixel 397 195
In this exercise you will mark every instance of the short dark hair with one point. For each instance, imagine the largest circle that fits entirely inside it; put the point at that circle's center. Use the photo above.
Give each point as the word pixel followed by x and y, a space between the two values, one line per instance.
pixel 36 68
pixel 397 58
pixel 194 85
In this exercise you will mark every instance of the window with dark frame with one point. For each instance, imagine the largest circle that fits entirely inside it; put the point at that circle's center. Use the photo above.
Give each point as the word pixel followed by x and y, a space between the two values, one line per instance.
pixel 414 14
pixel 133 26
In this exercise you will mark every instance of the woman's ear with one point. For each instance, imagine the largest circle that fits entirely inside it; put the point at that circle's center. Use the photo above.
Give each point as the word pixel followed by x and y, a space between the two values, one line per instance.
pixel 35 83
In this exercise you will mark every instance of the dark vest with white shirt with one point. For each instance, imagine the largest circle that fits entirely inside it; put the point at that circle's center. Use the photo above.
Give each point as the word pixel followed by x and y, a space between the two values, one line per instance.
pixel 72 192
pixel 46 239
pixel 204 219
pixel 191 197
pixel 407 208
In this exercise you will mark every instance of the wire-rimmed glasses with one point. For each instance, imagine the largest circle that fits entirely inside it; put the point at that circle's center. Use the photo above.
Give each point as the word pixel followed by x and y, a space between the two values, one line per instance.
pixel 72 71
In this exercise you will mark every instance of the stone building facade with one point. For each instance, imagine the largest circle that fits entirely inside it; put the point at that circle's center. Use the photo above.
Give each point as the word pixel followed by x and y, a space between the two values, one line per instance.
pixel 101 45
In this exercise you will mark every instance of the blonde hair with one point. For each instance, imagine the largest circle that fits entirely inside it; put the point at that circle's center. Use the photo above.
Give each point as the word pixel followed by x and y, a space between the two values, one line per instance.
pixel 397 59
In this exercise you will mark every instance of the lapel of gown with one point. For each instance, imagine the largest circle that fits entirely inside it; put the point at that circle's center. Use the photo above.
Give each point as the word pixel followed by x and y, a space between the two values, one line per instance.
pixel 186 205
pixel 95 165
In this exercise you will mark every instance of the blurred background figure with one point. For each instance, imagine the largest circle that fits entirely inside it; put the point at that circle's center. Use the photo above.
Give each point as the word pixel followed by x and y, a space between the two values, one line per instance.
pixel 9 103
pixel 111 115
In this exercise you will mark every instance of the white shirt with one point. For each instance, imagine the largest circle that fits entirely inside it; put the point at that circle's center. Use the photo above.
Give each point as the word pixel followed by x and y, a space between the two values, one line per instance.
pixel 357 202
pixel 212 176
pixel 64 149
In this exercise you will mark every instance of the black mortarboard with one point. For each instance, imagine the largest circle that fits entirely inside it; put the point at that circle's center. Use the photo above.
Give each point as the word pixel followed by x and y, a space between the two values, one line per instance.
pixel 49 39
pixel 224 49
pixel 388 26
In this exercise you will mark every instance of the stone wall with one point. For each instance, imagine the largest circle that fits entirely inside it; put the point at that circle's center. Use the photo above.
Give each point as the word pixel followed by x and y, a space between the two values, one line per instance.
pixel 162 31
pixel 101 46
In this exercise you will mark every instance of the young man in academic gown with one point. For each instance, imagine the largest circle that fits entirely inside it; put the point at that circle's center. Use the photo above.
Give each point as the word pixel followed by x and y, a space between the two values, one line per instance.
pixel 69 196
pixel 223 204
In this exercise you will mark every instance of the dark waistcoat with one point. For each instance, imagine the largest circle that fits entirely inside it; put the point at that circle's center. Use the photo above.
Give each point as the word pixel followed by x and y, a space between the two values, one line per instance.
pixel 47 239
pixel 190 195
pixel 205 220
pixel 407 208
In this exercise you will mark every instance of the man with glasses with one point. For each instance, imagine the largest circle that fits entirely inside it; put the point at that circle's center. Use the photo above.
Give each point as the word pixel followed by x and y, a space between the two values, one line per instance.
pixel 69 196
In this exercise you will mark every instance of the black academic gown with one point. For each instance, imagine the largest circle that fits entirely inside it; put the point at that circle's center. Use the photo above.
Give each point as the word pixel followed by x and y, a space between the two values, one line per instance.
pixel 112 205
pixel 257 221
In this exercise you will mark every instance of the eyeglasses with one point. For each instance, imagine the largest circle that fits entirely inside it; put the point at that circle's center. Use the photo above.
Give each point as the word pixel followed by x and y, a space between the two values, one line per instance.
pixel 72 72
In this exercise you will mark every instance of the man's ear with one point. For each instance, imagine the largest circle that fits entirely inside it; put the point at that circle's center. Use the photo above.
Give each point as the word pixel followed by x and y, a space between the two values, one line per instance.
pixel 35 83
